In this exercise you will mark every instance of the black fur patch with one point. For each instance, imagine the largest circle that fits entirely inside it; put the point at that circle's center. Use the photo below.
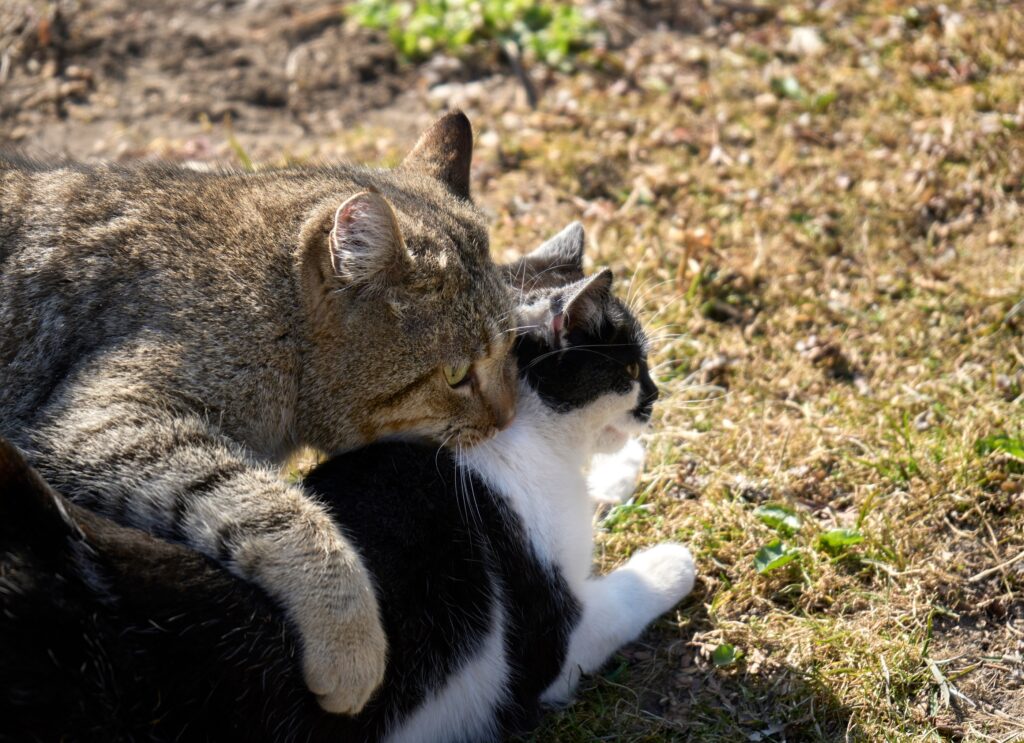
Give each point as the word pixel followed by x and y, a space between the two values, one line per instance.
pixel 593 361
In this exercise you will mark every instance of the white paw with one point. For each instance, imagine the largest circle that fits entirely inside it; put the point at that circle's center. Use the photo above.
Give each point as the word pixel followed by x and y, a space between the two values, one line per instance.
pixel 667 569
pixel 344 652
pixel 613 477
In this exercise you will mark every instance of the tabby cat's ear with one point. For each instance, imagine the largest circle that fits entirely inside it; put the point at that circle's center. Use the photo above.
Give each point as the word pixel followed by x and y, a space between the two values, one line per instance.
pixel 444 152
pixel 585 304
pixel 366 244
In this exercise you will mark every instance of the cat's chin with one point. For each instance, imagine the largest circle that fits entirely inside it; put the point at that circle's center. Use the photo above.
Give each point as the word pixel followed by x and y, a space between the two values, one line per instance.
pixel 471 437
pixel 611 439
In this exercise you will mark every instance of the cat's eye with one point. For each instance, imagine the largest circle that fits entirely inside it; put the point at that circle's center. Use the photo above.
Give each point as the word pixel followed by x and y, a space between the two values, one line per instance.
pixel 456 375
pixel 633 370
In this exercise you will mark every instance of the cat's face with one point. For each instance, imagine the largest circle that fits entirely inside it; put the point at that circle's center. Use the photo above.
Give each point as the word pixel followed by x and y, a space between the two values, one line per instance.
pixel 584 352
pixel 417 317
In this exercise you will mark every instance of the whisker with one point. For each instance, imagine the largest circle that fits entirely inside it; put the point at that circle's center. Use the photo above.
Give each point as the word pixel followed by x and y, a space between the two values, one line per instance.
pixel 518 329
pixel 632 280
pixel 659 337
pixel 652 369
pixel 647 291
pixel 667 306
pixel 437 454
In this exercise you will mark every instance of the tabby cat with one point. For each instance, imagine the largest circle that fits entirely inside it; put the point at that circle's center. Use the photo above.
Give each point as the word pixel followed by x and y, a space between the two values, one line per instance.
pixel 169 337
pixel 481 560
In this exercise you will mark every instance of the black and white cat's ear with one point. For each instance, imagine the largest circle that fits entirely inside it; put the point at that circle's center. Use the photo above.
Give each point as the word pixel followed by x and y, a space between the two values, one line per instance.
pixel 584 304
pixel 366 243
pixel 557 262
pixel 563 252
pixel 445 152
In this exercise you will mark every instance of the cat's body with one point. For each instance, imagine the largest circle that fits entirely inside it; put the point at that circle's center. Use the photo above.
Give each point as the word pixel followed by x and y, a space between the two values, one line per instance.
pixel 167 337
pixel 109 634
pixel 482 560
pixel 485 568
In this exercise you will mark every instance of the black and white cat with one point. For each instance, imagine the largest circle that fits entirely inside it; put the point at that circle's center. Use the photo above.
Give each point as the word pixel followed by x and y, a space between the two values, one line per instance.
pixel 481 559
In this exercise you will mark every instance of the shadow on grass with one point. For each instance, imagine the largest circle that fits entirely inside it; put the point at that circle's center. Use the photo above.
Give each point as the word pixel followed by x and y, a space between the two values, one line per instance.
pixel 665 688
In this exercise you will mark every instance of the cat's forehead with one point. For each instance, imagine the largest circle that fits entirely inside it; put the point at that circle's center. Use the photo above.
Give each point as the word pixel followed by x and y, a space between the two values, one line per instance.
pixel 433 221
pixel 615 324
pixel 444 238
pixel 464 314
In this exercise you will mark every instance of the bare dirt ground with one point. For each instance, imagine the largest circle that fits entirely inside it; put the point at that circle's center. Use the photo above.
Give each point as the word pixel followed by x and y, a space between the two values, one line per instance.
pixel 817 207
pixel 115 79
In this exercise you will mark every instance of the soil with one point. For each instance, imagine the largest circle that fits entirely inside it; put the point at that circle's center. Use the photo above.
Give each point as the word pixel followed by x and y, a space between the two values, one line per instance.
pixel 110 78
pixel 169 78
pixel 980 655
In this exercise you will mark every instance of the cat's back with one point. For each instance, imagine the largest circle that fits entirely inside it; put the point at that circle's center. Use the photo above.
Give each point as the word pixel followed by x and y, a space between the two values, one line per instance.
pixel 64 222
pixel 100 256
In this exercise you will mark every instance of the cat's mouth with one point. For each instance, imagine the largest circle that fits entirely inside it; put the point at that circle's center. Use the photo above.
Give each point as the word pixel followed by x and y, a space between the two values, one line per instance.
pixel 642 413
pixel 472 437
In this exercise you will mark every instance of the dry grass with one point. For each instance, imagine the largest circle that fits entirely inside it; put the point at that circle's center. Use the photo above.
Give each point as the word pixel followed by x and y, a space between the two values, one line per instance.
pixel 829 251
pixel 835 268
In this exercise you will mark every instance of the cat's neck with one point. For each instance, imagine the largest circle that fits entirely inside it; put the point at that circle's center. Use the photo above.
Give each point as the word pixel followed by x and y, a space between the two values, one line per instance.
pixel 538 466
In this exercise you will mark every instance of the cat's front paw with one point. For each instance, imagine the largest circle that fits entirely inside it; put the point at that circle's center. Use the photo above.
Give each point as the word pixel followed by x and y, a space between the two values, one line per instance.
pixel 668 570
pixel 344 650
pixel 327 593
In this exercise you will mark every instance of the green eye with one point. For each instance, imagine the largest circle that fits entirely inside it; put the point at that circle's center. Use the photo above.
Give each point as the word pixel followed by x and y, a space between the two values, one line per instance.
pixel 456 375
pixel 633 370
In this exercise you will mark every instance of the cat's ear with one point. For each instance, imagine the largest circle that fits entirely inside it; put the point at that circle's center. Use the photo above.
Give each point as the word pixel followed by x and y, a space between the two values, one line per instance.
pixel 557 262
pixel 585 303
pixel 445 152
pixel 366 244
pixel 563 252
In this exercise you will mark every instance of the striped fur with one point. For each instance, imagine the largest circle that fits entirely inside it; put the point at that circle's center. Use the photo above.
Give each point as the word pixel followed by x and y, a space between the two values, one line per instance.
pixel 168 337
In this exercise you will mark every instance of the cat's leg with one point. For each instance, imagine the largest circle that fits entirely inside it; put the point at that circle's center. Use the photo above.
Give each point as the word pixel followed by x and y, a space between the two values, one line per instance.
pixel 612 477
pixel 618 606
pixel 176 476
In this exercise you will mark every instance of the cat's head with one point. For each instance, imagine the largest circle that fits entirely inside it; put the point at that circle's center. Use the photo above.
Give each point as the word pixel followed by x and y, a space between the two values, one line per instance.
pixel 413 319
pixel 581 349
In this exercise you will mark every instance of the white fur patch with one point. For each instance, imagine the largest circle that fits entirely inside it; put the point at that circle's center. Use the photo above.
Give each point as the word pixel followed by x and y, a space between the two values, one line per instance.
pixel 465 709
pixel 617 607
pixel 613 477
pixel 538 464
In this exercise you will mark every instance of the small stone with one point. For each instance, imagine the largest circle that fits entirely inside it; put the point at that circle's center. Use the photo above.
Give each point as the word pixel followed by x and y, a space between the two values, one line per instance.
pixel 805 41
pixel 619 88
pixel 489 139
pixel 77 72
pixel 73 88
pixel 766 102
